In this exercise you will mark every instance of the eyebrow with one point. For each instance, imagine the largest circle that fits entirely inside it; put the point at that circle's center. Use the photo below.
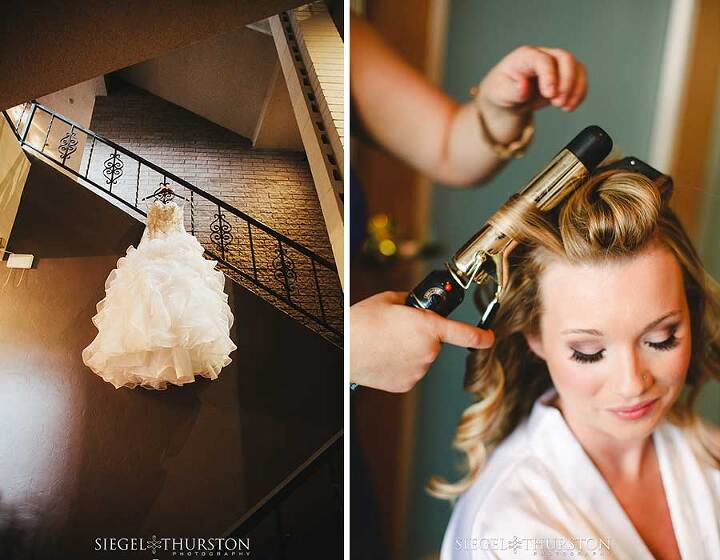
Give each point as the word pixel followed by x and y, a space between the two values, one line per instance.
pixel 595 332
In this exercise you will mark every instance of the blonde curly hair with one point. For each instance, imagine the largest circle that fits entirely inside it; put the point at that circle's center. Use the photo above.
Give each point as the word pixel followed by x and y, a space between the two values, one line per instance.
pixel 613 214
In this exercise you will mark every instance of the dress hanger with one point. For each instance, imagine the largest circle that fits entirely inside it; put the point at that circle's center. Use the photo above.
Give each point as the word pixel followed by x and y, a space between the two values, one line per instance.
pixel 164 194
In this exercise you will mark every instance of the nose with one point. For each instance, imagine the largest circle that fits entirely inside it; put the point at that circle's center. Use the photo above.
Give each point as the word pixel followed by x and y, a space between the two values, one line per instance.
pixel 633 377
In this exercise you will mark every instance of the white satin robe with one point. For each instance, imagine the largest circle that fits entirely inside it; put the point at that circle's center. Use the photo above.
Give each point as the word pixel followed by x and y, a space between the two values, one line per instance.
pixel 540 496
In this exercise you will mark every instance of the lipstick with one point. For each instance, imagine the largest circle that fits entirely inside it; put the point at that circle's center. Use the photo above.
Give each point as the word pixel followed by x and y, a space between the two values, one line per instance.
pixel 635 412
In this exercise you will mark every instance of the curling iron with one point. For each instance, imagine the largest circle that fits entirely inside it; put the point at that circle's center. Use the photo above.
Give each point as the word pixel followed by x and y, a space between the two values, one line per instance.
pixel 484 257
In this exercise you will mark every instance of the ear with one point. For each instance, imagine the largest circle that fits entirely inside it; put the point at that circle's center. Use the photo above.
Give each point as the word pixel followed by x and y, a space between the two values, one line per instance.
pixel 534 341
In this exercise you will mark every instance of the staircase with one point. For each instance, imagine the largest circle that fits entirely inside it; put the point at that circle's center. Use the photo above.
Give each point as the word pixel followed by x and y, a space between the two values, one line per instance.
pixel 304 511
pixel 296 280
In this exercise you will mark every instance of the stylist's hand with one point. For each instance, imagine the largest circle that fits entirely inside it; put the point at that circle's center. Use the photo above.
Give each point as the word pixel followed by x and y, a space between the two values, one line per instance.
pixel 392 346
pixel 528 79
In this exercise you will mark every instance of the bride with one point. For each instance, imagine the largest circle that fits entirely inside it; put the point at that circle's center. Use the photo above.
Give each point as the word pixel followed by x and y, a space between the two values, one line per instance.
pixel 582 437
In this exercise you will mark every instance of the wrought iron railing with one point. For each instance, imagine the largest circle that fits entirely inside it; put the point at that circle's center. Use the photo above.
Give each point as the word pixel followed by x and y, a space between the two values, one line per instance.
pixel 302 280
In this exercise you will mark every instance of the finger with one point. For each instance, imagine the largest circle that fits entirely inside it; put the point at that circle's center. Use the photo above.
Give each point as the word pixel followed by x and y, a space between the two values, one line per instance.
pixel 567 74
pixel 462 334
pixel 528 62
pixel 397 298
pixel 580 90
pixel 539 103
pixel 524 89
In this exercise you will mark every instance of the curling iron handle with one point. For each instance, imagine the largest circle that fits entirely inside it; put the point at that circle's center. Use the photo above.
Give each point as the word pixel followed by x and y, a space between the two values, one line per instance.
pixel 439 292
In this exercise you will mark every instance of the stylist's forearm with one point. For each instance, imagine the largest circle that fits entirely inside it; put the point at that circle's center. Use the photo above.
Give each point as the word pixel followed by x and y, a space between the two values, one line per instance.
pixel 468 157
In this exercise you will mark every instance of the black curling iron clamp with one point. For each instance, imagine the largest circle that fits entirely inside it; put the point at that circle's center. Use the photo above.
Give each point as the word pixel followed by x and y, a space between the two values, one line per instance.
pixel 484 257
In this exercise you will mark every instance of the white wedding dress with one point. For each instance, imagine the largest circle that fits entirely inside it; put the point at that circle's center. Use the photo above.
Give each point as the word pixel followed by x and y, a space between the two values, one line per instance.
pixel 165 316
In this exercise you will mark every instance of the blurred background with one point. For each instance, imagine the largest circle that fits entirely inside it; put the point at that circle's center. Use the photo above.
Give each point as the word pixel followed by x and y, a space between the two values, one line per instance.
pixel 653 68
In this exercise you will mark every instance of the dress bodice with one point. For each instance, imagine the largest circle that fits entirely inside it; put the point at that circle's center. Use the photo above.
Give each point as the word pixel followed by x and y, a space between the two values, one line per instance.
pixel 164 218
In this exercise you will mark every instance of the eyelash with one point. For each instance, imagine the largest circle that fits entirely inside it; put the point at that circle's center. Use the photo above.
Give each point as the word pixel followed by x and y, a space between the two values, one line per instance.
pixel 667 344
pixel 587 358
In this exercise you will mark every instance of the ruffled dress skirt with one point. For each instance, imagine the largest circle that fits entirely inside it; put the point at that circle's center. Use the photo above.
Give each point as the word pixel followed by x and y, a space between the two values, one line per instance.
pixel 164 318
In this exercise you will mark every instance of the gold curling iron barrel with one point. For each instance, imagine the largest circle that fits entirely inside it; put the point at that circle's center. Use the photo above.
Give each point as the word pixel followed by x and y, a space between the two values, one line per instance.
pixel 484 256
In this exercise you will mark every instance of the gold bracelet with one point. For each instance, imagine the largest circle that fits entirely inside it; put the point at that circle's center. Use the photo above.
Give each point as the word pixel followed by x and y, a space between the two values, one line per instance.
pixel 516 148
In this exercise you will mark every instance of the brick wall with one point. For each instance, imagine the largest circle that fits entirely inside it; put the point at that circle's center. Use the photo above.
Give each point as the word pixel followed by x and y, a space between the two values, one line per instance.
pixel 273 187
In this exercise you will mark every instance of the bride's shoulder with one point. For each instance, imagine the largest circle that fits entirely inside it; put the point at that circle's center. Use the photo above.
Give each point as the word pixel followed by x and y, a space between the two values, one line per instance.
pixel 503 499
pixel 502 488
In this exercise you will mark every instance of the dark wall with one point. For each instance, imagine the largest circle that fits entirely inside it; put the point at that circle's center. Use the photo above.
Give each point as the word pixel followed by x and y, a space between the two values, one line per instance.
pixel 81 460
pixel 50 45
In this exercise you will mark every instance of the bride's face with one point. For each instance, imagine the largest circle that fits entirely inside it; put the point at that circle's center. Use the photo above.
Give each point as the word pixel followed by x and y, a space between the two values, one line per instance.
pixel 616 339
